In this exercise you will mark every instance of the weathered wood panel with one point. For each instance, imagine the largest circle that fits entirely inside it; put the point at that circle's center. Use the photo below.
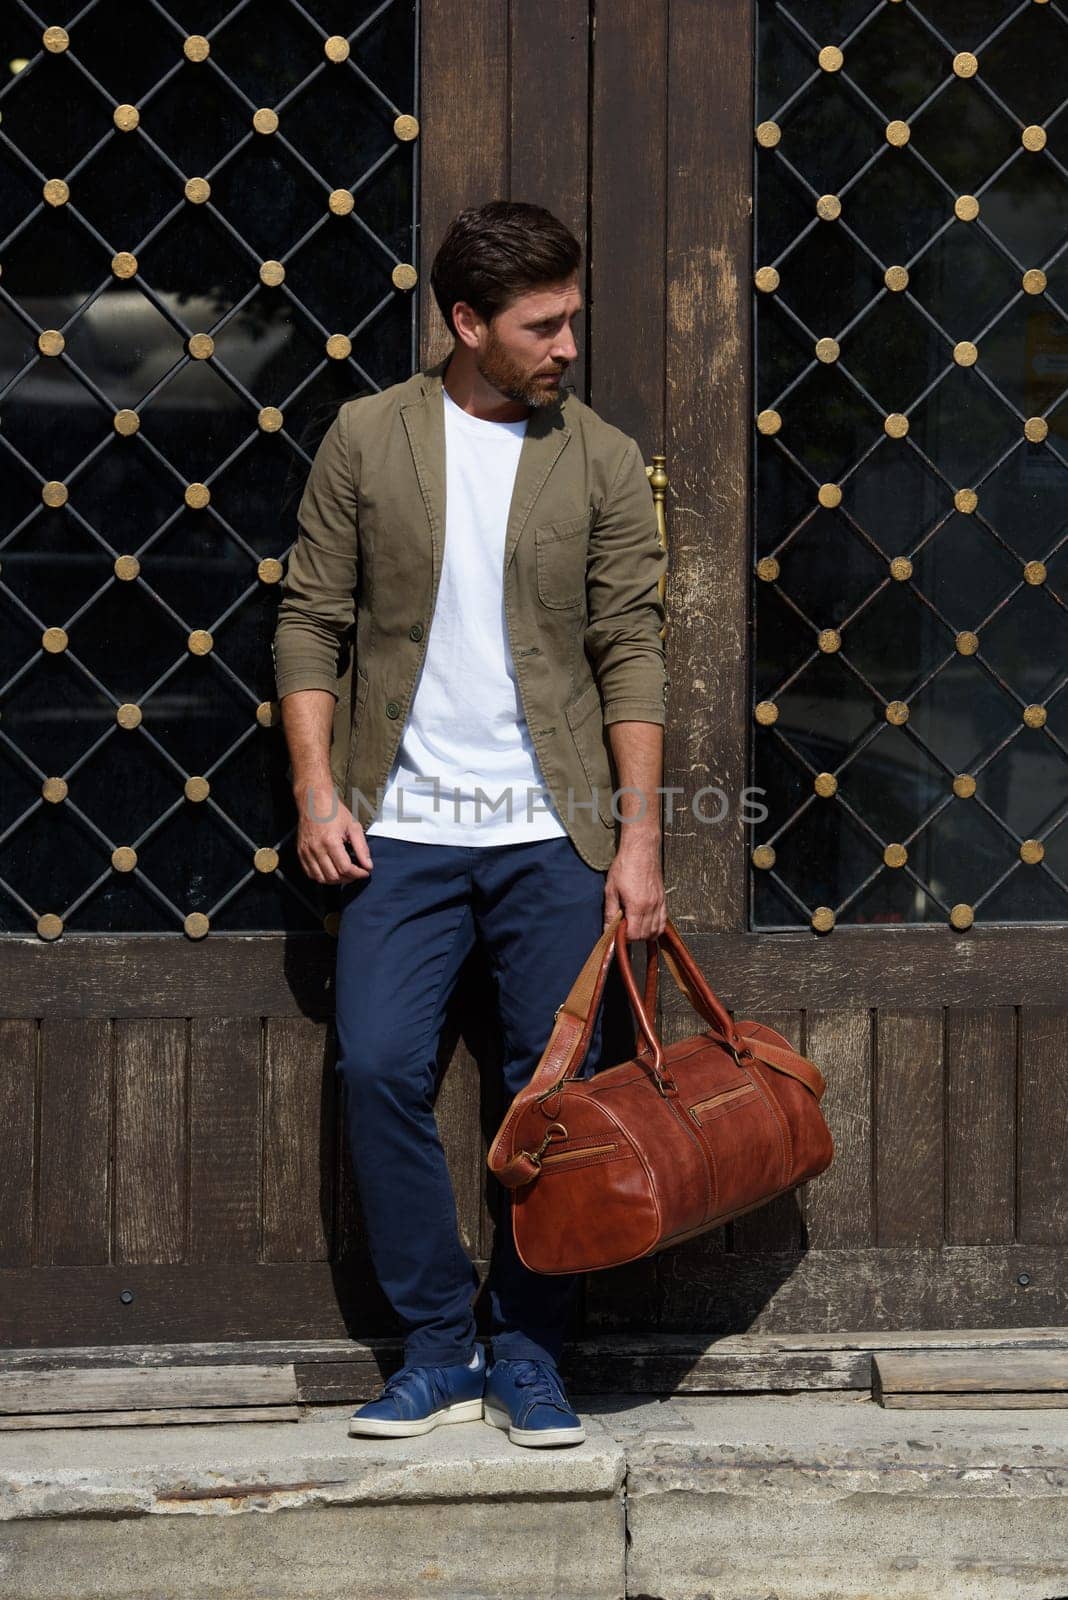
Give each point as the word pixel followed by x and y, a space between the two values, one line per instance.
pixel 299 1134
pixel 74 1205
pixel 909 1092
pixel 980 1125
pixel 225 1141
pixel 151 1154
pixel 18 1092
pixel 1043 1130
pixel 839 1206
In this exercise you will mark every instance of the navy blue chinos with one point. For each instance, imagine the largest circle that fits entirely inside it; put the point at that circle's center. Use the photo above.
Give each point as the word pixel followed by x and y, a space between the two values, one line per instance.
pixel 404 934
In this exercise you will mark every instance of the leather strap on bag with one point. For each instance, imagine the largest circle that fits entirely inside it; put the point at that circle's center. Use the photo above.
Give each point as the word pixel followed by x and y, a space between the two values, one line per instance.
pixel 569 1041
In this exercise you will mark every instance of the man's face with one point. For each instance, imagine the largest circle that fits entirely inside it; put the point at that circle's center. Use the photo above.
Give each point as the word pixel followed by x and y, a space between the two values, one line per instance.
pixel 525 350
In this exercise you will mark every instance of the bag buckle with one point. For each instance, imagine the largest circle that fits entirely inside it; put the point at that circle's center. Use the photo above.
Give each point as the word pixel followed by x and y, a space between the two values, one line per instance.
pixel 666 1087
pixel 536 1155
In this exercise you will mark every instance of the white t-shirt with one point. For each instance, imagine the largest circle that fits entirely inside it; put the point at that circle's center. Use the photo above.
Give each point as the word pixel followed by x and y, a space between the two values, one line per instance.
pixel 465 725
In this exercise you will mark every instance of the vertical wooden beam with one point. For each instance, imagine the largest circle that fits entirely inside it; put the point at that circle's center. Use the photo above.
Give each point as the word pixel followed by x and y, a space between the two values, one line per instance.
pixel 1043 1136
pixel 298 1142
pixel 18 1074
pixel 709 406
pixel 150 1138
pixel 74 1224
pixel 839 1206
pixel 908 1128
pixel 463 156
pixel 225 1162
pixel 628 199
pixel 980 1125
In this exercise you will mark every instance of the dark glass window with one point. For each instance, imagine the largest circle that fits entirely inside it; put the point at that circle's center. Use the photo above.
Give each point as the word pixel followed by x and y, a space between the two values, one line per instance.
pixel 910 583
pixel 171 269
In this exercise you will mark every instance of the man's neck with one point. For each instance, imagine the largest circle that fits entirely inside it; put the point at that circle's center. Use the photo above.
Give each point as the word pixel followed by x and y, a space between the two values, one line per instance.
pixel 467 388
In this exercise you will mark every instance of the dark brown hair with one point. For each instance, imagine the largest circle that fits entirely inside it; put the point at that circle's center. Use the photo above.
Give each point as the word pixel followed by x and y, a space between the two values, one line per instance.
pixel 492 253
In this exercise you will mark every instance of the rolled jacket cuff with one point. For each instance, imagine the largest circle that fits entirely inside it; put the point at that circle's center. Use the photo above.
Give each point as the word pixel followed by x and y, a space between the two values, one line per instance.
pixel 292 682
pixel 634 711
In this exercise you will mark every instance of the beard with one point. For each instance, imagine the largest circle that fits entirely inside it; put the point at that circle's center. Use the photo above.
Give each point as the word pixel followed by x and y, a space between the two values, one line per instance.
pixel 505 374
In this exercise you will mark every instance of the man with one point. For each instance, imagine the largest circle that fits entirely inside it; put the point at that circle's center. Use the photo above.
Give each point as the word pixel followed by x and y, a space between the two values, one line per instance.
pixel 495 542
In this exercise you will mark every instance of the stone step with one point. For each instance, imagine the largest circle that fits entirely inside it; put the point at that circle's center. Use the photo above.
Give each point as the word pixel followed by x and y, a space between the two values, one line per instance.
pixel 762 1497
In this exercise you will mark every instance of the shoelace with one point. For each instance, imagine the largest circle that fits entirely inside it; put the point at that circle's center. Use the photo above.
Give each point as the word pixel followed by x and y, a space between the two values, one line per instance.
pixel 542 1382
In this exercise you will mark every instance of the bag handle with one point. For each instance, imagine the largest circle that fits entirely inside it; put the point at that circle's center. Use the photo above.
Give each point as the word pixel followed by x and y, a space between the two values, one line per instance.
pixel 569 1041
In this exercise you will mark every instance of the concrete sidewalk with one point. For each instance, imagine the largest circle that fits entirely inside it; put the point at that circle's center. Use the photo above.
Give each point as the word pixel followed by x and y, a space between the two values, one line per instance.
pixel 762 1497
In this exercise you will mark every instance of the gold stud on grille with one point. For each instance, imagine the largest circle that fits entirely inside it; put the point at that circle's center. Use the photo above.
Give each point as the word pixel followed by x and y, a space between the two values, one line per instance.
pixel 50 342
pixel 128 715
pixel 766 712
pixel 332 923
pixel 966 501
pixel 1034 281
pixel 336 48
pixel 829 495
pixel 269 419
pixel 895 855
pixel 828 207
pixel 196 924
pixel 1033 137
pixel 1035 716
pixel 200 642
pixel 763 857
pixel 823 919
pixel 962 915
pixel 896 712
pixel 901 568
pixel 197 191
pixel 338 346
pixel 827 350
pixel 404 275
pixel 54 494
pixel 825 785
pixel 54 790
pixel 201 346
pixel 265 120
pixel 896 425
pixel 197 496
pixel 767 569
pixel 406 128
pixel 127 568
pixel 272 273
pixel 56 192
pixel 1035 572
pixel 898 133
pixel 341 202
pixel 830 58
pixel 196 48
pixel 50 926
pixel 768 422
pixel 967 642
pixel 126 422
pixel 965 354
pixel 124 265
pixel 965 65
pixel 265 859
pixel 766 279
pixel 1032 851
pixel 54 640
pixel 829 640
pixel 126 118
pixel 768 135
pixel 896 279
pixel 196 788
pixel 267 713
pixel 124 858
pixel 55 40
pixel 1036 429
pixel 269 570
pixel 966 208
pixel 964 785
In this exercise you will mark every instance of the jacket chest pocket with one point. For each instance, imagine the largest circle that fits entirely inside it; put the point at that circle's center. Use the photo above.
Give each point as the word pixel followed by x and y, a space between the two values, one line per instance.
pixel 561 556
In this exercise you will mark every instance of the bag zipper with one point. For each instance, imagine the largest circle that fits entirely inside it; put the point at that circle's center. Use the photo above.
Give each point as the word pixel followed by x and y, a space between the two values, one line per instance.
pixel 573 1155
pixel 715 1099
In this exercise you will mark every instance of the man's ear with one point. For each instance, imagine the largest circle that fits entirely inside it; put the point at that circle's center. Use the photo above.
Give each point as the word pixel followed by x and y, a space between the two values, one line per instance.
pixel 467 323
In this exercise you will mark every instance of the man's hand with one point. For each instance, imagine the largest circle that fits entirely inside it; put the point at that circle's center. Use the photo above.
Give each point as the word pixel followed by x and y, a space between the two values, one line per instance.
pixel 635 883
pixel 325 827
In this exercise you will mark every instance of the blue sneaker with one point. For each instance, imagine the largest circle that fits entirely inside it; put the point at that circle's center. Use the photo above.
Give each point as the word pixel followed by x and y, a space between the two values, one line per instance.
pixel 527 1398
pixel 416 1399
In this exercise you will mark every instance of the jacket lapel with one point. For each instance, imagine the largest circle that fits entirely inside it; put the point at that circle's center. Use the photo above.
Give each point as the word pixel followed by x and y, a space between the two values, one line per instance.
pixel 547 434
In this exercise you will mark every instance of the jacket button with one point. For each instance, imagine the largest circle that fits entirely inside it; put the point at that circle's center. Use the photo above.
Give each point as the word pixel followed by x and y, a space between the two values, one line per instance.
pixel 416 631
pixel 392 708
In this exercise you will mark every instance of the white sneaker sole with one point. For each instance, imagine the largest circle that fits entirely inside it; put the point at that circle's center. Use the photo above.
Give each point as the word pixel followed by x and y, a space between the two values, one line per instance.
pixel 532 1436
pixel 375 1428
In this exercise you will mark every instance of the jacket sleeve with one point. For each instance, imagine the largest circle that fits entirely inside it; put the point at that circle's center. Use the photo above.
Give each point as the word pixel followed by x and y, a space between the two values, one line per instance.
pixel 623 568
pixel 318 590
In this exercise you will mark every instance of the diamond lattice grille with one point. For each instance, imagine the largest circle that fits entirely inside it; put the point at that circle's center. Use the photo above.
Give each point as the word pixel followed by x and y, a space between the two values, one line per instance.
pixel 208 229
pixel 911 562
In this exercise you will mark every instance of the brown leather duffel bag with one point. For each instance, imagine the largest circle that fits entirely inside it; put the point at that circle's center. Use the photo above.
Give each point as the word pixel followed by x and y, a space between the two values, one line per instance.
pixel 675 1141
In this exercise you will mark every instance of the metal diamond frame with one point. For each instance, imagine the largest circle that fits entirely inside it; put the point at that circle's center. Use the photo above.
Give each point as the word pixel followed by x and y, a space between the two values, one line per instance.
pixel 978 84
pixel 301 889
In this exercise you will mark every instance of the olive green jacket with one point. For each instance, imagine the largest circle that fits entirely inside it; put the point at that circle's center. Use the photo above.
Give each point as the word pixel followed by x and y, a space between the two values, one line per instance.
pixel 582 561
